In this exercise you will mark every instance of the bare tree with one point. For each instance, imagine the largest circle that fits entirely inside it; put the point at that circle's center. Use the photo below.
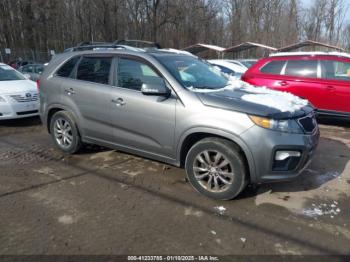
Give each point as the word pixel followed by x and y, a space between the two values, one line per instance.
pixel 58 24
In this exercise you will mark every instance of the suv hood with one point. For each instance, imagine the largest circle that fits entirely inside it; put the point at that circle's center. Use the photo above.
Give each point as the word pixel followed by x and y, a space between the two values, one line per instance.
pixel 260 101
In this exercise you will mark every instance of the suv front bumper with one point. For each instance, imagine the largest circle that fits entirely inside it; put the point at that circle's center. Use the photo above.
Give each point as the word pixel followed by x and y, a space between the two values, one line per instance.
pixel 264 144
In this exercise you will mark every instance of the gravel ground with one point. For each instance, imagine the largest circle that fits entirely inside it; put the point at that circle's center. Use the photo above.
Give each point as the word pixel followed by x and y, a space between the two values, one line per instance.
pixel 103 201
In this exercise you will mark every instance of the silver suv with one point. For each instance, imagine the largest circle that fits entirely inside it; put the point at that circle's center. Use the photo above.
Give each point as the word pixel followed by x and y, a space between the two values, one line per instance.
pixel 175 108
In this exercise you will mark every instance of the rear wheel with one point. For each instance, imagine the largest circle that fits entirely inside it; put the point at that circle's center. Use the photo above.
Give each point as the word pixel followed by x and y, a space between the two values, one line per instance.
pixel 65 133
pixel 215 168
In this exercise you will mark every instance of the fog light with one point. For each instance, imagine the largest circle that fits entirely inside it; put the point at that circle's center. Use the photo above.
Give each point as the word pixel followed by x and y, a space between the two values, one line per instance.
pixel 283 155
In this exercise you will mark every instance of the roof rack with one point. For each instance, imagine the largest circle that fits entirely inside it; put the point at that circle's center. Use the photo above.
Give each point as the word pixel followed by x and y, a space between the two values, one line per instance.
pixel 132 45
pixel 311 53
pixel 102 46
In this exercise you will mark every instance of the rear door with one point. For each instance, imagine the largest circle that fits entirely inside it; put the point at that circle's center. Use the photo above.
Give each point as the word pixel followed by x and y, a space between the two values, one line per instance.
pixel 141 122
pixel 301 77
pixel 87 93
pixel 336 80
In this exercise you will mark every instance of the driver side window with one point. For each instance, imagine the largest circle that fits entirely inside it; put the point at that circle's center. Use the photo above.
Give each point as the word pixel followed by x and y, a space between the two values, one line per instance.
pixel 131 74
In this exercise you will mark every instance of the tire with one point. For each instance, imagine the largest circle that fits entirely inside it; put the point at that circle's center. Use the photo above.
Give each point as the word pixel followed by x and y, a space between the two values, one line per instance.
pixel 231 178
pixel 71 142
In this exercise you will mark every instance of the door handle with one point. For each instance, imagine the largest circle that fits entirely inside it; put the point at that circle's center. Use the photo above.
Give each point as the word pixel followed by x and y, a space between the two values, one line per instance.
pixel 118 102
pixel 330 88
pixel 283 83
pixel 69 91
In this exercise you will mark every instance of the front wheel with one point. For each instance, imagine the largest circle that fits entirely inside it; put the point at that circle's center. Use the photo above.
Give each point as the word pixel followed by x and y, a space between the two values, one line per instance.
pixel 64 132
pixel 216 169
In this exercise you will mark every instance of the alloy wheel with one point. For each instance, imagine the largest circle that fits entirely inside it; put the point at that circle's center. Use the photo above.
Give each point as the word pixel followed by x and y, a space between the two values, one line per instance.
pixel 63 133
pixel 213 171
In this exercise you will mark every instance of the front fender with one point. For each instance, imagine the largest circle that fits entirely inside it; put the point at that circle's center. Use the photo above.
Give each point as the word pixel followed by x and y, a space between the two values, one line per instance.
pixel 232 137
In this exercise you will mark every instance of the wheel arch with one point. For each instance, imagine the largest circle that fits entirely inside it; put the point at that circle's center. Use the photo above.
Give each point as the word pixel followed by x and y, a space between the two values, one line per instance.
pixel 192 136
pixel 57 108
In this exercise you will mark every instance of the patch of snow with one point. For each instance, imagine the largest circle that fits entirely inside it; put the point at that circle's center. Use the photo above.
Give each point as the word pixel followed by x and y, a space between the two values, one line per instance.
pixel 313 212
pixel 322 210
pixel 282 101
pixel 220 209
pixel 66 219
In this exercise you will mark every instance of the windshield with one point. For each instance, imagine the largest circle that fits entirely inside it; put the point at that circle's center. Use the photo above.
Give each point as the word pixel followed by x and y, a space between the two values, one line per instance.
pixel 7 73
pixel 194 73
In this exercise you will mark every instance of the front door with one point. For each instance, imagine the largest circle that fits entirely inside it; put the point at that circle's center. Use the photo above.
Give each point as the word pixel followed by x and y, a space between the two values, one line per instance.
pixel 145 123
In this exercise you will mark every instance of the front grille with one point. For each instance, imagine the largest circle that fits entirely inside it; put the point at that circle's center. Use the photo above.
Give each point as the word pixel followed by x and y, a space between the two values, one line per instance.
pixel 308 123
pixel 25 98
pixel 27 112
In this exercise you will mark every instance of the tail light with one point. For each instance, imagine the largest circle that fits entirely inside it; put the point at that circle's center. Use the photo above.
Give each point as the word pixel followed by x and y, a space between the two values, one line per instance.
pixel 38 84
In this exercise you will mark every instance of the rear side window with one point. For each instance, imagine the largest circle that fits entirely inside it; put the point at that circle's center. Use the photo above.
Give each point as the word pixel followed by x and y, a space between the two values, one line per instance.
pixel 303 68
pixel 94 69
pixel 132 74
pixel 67 68
pixel 273 67
pixel 335 70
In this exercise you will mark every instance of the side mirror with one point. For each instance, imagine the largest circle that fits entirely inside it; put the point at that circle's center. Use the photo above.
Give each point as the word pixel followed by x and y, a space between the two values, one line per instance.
pixel 155 89
pixel 27 76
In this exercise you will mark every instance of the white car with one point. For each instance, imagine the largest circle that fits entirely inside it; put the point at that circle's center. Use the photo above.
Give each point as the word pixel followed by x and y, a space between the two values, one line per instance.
pixel 19 96
pixel 246 63
pixel 229 68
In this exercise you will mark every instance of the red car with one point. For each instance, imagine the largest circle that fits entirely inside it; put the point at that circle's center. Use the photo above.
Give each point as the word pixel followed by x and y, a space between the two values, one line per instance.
pixel 322 78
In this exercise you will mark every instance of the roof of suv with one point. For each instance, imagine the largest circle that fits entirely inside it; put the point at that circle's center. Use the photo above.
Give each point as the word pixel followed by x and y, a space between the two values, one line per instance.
pixel 126 50
pixel 145 53
pixel 338 54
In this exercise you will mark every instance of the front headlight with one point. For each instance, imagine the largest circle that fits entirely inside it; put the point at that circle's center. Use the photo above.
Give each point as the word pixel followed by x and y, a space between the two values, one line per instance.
pixel 2 100
pixel 288 126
